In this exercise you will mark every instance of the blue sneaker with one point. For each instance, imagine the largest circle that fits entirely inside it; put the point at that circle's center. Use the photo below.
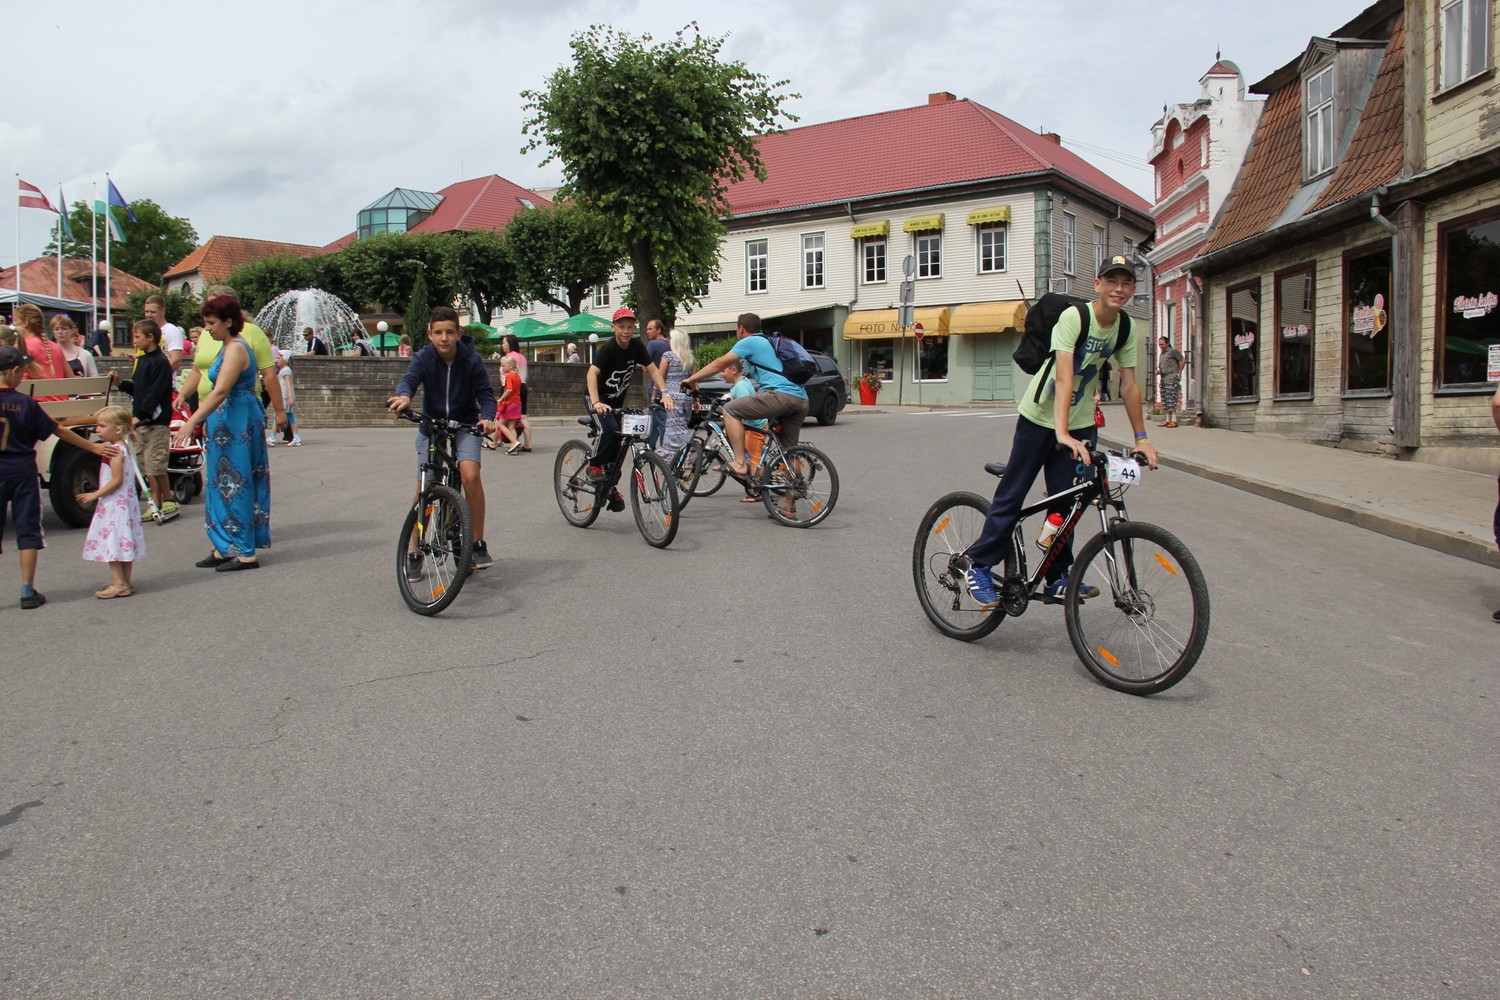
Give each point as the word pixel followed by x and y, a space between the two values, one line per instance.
pixel 1054 591
pixel 981 587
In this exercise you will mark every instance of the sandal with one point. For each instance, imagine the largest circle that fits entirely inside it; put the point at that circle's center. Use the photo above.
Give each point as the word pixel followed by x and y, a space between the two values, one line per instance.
pixel 512 449
pixel 749 499
pixel 112 591
pixel 489 445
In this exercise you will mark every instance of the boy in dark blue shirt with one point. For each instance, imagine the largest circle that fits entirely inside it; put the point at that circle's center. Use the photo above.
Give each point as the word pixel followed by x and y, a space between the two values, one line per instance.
pixel 22 424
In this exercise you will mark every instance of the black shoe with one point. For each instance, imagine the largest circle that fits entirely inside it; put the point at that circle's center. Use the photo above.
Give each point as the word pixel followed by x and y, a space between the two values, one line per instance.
pixel 481 558
pixel 212 560
pixel 235 565
pixel 1495 617
pixel 616 501
pixel 33 600
pixel 414 567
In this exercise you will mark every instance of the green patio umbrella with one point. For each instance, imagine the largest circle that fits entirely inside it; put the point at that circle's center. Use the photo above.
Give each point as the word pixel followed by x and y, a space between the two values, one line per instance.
pixel 388 341
pixel 525 326
pixel 574 326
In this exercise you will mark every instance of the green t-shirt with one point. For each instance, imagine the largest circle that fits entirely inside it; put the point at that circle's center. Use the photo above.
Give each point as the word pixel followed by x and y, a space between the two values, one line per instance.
pixel 1086 367
pixel 208 348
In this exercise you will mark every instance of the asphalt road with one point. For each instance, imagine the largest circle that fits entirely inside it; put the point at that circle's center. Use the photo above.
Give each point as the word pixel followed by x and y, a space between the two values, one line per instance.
pixel 741 767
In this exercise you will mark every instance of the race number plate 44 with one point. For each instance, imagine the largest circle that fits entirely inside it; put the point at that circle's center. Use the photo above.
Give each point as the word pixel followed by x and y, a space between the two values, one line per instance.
pixel 635 424
pixel 1124 471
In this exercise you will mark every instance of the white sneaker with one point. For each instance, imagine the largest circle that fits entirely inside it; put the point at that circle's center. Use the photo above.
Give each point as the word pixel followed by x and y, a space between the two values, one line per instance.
pixel 270 441
pixel 295 441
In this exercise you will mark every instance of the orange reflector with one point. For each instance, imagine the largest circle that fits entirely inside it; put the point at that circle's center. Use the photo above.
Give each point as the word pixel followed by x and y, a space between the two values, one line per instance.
pixel 439 592
pixel 817 507
pixel 667 521
pixel 1108 656
pixel 942 525
pixel 1166 565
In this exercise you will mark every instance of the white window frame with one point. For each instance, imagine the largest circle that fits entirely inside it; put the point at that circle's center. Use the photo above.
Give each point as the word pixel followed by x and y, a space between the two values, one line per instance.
pixel 813 261
pixel 1099 248
pixel 1318 121
pixel 1127 248
pixel 1463 40
pixel 928 249
pixel 999 247
pixel 528 307
pixel 866 252
pixel 757 266
pixel 601 296
pixel 1070 244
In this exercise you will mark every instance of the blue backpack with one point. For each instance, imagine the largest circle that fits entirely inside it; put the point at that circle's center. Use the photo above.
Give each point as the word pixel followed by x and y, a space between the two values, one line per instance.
pixel 797 366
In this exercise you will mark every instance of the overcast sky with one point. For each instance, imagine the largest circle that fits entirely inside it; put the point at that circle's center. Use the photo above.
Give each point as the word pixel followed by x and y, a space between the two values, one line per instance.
pixel 284 119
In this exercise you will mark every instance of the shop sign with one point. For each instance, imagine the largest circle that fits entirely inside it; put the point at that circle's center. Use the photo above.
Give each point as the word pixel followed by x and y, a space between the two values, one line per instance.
pixel 1294 332
pixel 879 326
pixel 1369 320
pixel 1476 306
pixel 1494 375
pixel 1244 341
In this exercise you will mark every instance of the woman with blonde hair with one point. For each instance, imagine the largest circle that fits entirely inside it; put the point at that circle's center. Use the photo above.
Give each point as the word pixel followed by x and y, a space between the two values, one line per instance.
pixel 676 365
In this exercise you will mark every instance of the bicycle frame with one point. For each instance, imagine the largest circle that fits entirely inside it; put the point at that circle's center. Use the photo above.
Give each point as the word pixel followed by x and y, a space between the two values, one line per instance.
pixel 1094 492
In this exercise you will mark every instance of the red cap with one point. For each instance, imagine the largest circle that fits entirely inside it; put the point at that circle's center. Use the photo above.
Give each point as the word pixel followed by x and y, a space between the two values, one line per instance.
pixel 624 312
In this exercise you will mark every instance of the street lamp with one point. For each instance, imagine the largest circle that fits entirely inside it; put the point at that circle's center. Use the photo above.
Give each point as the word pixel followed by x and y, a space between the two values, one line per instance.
pixel 593 339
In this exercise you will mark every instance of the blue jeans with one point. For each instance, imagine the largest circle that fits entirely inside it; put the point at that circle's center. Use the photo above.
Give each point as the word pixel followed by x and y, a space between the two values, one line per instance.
pixel 658 424
pixel 1497 524
pixel 1034 449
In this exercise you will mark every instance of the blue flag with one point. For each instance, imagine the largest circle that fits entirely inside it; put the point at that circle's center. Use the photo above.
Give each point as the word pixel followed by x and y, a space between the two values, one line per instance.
pixel 118 200
pixel 67 227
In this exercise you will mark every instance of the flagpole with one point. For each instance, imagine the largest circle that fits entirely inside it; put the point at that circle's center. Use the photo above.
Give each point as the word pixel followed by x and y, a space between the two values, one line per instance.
pixel 109 240
pixel 18 245
pixel 94 257
pixel 60 218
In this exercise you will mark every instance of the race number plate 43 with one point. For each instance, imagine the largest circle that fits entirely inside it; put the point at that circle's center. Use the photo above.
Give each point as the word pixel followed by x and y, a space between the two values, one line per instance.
pixel 635 424
pixel 1124 471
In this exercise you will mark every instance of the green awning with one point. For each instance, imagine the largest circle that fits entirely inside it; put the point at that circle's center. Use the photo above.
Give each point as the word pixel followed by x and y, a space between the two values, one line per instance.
pixel 574 326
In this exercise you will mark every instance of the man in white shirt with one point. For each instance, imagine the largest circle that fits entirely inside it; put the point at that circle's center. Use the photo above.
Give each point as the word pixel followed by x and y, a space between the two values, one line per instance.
pixel 172 339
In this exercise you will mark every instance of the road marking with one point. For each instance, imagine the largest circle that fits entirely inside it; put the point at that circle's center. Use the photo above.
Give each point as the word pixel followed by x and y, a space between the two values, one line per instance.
pixel 981 414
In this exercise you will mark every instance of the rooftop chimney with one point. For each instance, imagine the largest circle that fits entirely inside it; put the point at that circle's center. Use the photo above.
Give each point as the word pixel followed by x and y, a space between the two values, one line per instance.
pixel 941 97
pixel 1052 137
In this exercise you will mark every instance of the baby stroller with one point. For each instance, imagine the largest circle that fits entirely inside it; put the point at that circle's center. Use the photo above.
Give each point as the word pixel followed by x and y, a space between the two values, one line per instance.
pixel 185 464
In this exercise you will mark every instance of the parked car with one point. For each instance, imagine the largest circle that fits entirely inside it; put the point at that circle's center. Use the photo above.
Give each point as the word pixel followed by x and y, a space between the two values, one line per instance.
pixel 827 391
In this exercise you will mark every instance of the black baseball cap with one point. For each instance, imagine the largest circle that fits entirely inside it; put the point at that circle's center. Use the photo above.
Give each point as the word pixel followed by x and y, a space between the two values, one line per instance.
pixel 12 358
pixel 1116 263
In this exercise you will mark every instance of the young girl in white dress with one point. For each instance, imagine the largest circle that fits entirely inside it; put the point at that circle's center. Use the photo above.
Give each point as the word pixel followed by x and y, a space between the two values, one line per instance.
pixel 115 536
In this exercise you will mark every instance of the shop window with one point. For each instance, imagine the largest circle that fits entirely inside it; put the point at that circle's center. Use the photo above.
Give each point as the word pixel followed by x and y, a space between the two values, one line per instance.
pixel 1468 317
pixel 930 360
pixel 878 356
pixel 874 262
pixel 1294 333
pixel 1244 340
pixel 991 249
pixel 1367 321
pixel 1465 40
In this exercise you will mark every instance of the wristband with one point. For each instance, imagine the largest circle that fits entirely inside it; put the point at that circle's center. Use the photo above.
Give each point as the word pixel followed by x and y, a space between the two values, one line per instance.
pixel 1140 435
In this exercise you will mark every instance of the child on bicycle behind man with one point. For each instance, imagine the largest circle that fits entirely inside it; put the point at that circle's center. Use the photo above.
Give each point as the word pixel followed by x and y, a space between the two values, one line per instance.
pixel 455 386
pixel 740 386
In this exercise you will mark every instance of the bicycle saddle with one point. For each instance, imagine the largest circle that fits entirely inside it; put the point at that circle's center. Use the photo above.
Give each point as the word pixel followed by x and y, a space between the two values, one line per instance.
pixel 995 468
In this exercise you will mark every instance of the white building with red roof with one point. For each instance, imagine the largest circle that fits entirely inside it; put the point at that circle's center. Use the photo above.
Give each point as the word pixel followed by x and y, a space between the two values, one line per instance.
pixel 990 213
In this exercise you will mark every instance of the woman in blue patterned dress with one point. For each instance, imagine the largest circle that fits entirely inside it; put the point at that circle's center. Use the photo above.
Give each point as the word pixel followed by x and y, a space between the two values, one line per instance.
pixel 238 494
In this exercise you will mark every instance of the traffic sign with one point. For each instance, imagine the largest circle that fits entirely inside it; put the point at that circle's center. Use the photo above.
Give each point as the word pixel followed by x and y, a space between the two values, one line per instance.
pixel 908 265
pixel 904 315
pixel 908 292
pixel 918 332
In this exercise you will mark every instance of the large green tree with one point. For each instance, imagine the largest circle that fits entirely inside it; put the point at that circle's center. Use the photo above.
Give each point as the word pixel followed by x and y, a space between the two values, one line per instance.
pixel 382 270
pixel 482 270
pixel 153 242
pixel 651 136
pixel 566 248
pixel 260 281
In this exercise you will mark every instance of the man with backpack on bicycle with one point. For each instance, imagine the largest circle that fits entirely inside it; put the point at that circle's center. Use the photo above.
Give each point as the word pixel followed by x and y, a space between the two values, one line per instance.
pixel 1055 426
pixel 779 371
pixel 455 386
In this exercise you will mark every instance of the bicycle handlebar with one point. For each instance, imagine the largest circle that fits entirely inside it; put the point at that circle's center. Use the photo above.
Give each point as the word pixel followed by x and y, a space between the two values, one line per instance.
pixel 442 422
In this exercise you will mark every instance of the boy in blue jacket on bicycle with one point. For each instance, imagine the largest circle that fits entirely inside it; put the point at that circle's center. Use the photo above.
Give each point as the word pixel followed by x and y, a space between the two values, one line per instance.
pixel 455 386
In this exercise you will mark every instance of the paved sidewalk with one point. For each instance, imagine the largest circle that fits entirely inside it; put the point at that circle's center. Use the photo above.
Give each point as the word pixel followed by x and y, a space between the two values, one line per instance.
pixel 1444 509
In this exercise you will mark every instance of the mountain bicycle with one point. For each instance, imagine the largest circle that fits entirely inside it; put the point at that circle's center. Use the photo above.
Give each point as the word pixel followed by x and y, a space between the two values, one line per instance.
pixel 434 552
pixel 1145 630
pixel 652 485
pixel 799 485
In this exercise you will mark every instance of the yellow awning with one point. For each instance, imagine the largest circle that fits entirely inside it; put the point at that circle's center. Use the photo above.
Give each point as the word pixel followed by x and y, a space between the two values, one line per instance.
pixel 988 317
pixel 873 324
pixel 924 223
pixel 869 229
pixel 984 216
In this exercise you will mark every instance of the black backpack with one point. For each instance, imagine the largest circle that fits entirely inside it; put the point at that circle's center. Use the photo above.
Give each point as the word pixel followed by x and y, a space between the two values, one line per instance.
pixel 797 366
pixel 1035 350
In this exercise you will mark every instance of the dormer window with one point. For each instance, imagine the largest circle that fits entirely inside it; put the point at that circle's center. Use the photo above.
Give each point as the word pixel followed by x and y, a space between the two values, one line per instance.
pixel 1318 103
pixel 1465 43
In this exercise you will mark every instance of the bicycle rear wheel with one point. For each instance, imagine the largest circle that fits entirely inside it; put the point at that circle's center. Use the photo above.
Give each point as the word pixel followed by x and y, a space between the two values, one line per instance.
pixel 653 499
pixel 712 475
pixel 688 466
pixel 1147 627
pixel 577 498
pixel 802 488
pixel 435 550
pixel 939 562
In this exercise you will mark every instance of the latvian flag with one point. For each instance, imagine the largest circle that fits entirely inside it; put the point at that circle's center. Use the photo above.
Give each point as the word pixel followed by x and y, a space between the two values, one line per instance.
pixel 32 197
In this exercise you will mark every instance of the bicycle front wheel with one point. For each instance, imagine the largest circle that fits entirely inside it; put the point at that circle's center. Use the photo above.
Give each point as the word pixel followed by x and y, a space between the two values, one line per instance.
pixel 711 475
pixel 577 498
pixel 653 499
pixel 688 466
pixel 435 551
pixel 802 488
pixel 1147 627
pixel 940 562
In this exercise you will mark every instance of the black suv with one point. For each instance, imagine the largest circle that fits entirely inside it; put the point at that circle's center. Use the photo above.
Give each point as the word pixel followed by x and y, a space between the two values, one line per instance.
pixel 827 391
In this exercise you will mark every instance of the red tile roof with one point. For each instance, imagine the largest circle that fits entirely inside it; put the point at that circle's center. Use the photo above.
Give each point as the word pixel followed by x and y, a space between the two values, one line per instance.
pixel 39 277
pixel 482 203
pixel 910 149
pixel 1271 175
pixel 217 258
pixel 1375 153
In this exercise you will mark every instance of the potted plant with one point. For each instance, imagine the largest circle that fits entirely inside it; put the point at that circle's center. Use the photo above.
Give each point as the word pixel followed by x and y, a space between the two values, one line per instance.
pixel 868 384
